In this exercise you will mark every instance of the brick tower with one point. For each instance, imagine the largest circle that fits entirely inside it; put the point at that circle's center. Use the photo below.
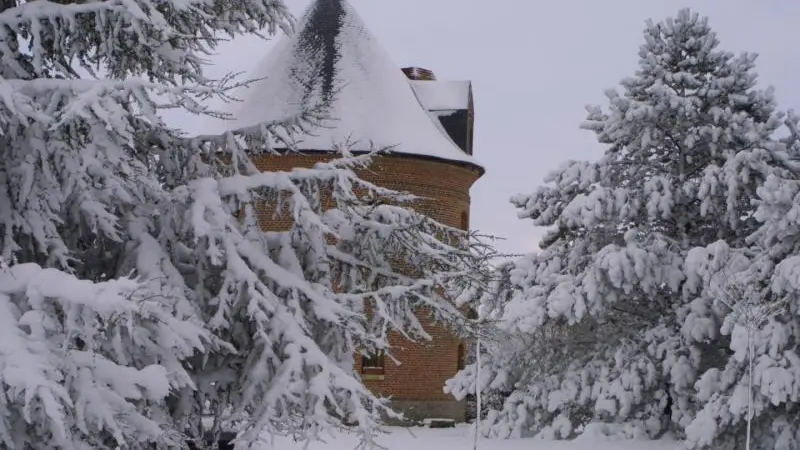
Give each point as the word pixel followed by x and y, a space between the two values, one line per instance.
pixel 429 123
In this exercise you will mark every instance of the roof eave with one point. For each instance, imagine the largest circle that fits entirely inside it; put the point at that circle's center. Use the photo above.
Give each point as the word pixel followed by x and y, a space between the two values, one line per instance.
pixel 462 163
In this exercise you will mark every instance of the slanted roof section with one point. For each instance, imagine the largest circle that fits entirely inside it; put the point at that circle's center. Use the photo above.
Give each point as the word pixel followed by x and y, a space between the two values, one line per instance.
pixel 332 56
pixel 442 95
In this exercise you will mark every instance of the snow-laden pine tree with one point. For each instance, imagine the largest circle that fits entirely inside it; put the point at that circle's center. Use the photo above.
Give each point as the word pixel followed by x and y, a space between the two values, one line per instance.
pixel 140 290
pixel 615 320
pixel 754 294
pixel 90 357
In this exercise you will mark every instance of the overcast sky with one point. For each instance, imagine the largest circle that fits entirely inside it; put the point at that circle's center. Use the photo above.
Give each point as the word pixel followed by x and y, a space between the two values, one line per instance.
pixel 536 65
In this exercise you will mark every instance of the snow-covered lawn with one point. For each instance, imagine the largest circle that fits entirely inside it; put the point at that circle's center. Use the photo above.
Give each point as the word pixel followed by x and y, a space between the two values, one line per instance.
pixel 460 438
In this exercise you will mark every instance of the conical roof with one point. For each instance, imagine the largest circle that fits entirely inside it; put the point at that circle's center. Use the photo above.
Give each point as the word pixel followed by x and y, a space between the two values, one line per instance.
pixel 332 56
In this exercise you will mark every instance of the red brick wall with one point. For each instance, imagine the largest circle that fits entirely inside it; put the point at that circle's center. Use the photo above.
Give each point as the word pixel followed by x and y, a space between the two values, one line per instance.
pixel 424 366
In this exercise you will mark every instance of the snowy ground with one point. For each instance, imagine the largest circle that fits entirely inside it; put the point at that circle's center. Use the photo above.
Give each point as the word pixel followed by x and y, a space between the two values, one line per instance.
pixel 460 438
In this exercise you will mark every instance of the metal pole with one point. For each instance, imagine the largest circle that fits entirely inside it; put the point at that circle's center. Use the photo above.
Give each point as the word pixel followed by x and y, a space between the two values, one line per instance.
pixel 750 349
pixel 478 406
pixel 477 392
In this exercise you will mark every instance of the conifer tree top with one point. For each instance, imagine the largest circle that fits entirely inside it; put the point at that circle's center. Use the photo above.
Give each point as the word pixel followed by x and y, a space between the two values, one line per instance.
pixel 332 57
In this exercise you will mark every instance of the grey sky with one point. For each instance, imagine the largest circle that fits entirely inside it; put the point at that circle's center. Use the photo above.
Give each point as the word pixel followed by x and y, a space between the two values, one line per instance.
pixel 536 65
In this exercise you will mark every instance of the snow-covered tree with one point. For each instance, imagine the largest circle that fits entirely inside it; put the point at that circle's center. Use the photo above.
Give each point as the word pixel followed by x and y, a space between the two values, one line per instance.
pixel 298 304
pixel 90 358
pixel 487 297
pixel 615 314
pixel 141 290
pixel 755 295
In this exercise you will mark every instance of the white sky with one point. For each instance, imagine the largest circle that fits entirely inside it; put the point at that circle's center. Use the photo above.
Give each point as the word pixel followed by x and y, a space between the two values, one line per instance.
pixel 535 66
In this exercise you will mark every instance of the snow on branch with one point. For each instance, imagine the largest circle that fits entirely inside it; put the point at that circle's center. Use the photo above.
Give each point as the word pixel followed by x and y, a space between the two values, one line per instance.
pixel 128 37
pixel 82 361
pixel 348 263
pixel 102 99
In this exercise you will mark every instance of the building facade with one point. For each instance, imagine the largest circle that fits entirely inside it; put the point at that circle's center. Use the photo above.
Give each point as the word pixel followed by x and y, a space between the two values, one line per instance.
pixel 429 124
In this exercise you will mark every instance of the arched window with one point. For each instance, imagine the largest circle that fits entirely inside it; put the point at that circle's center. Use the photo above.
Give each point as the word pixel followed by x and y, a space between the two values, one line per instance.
pixel 465 220
pixel 462 356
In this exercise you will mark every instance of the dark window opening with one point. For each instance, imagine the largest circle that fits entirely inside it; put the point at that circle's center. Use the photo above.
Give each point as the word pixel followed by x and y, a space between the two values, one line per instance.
pixel 373 362
pixel 462 356
pixel 465 220
pixel 457 127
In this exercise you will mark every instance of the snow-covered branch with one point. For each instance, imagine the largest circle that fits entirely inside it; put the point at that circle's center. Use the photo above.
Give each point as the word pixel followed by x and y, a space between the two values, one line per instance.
pixel 83 361
pixel 162 39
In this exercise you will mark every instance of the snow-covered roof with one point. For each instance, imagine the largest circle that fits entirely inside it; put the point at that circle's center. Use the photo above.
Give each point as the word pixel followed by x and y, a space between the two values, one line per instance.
pixel 442 95
pixel 333 56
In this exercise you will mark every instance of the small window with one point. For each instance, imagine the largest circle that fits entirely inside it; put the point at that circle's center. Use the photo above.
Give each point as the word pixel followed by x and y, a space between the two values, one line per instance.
pixel 464 220
pixel 374 362
pixel 462 357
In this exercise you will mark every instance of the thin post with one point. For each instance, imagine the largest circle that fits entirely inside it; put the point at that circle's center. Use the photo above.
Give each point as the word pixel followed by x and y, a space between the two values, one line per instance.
pixel 478 393
pixel 750 349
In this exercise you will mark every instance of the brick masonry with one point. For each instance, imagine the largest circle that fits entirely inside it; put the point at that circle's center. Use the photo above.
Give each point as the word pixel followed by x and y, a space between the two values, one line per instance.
pixel 415 384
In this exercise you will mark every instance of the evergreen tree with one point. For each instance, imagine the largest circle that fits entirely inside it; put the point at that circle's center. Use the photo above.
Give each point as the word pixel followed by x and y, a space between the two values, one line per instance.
pixel 141 290
pixel 754 295
pixel 296 305
pixel 617 315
